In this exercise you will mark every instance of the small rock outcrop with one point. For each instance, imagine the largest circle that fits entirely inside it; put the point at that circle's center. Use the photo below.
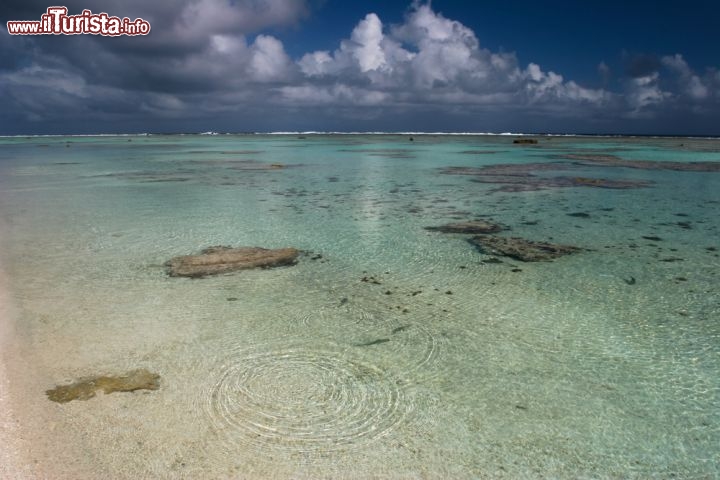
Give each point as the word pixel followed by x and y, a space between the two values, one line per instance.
pixel 85 388
pixel 521 249
pixel 217 260
pixel 471 227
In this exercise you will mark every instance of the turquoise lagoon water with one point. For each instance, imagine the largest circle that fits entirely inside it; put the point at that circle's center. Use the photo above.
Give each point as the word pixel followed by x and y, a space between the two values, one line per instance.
pixel 601 364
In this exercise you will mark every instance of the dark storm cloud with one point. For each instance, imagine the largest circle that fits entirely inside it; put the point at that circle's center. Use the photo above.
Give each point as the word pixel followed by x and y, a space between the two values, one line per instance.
pixel 216 63
pixel 12 51
pixel 182 31
pixel 641 64
pixel 196 54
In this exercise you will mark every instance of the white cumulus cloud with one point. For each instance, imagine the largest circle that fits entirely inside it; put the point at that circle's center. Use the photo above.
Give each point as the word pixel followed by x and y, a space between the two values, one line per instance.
pixel 367 38
pixel 643 92
pixel 432 59
pixel 690 83
pixel 269 62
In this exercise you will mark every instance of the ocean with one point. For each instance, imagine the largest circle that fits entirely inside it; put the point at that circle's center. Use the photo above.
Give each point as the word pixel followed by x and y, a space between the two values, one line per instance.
pixel 388 350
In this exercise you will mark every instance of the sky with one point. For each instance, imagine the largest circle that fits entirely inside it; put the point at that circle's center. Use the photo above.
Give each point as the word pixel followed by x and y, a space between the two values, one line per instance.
pixel 632 67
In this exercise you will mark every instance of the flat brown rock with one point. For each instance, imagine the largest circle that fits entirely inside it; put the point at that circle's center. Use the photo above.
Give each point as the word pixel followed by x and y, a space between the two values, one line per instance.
pixel 521 249
pixel 472 226
pixel 216 260
pixel 85 388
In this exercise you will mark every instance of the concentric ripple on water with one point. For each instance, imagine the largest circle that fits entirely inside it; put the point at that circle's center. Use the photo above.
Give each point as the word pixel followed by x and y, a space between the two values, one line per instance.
pixel 304 400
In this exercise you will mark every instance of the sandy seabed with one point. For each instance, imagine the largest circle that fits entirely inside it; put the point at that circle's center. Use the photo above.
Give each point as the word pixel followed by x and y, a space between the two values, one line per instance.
pixel 27 450
pixel 11 463
pixel 11 466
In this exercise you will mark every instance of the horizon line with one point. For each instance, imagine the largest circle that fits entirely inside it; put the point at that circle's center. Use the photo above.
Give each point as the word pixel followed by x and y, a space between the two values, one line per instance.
pixel 418 133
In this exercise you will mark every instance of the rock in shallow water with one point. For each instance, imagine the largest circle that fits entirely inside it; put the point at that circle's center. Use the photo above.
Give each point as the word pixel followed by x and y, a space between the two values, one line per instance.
pixel 521 249
pixel 216 260
pixel 473 226
pixel 85 388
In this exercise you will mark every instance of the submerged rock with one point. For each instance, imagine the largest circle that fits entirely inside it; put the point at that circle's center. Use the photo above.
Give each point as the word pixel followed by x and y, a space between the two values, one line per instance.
pixel 472 226
pixel 520 177
pixel 525 141
pixel 85 388
pixel 532 183
pixel 508 169
pixel 603 182
pixel 373 342
pixel 216 260
pixel 521 249
pixel 606 160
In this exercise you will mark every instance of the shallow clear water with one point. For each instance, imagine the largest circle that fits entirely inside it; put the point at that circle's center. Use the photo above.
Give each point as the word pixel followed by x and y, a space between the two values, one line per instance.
pixel 448 367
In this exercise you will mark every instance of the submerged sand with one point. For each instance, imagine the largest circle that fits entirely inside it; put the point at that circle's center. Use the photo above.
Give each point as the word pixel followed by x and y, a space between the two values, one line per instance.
pixel 11 464
pixel 29 450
